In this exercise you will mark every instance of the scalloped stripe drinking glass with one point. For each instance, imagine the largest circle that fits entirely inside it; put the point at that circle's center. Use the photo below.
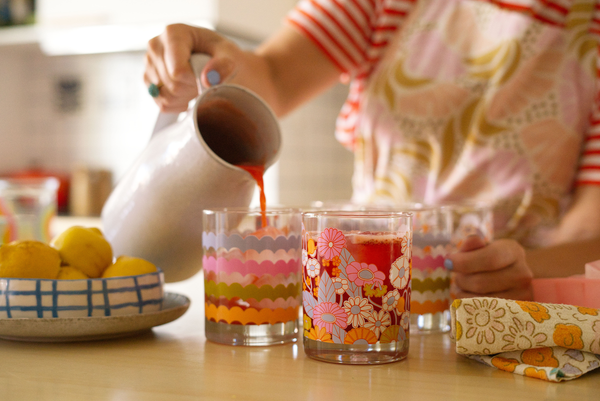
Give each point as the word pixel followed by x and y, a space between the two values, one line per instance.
pixel 252 275
pixel 430 287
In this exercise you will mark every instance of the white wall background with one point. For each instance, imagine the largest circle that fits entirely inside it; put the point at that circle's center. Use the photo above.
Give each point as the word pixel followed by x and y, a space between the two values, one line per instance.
pixel 107 130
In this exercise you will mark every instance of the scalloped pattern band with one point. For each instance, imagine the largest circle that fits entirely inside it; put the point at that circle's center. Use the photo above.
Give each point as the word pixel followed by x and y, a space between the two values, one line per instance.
pixel 251 280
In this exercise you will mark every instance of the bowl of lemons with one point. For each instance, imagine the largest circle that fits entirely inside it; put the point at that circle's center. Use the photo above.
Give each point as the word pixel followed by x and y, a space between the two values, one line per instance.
pixel 76 275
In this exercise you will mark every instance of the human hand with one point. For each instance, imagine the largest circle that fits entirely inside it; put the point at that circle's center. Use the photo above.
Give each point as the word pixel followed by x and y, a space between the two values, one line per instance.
pixel 167 64
pixel 497 269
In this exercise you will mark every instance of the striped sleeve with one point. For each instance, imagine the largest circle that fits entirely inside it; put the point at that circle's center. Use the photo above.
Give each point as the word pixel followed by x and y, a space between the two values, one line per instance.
pixel 354 35
pixel 340 28
pixel 589 166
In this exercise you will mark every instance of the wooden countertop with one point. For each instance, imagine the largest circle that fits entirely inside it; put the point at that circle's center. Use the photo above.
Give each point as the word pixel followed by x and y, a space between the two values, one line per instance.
pixel 174 362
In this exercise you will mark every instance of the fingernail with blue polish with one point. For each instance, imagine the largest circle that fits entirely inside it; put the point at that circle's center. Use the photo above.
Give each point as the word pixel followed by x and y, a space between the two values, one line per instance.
pixel 213 77
pixel 448 264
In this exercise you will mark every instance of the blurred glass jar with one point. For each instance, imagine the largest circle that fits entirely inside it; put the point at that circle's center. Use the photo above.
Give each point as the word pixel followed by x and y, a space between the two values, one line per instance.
pixel 29 206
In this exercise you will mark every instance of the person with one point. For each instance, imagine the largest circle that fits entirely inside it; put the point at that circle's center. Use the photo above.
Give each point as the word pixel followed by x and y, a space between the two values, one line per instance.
pixel 448 100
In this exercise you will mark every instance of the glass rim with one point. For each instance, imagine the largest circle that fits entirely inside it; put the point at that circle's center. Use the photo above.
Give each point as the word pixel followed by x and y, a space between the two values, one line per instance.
pixel 31 182
pixel 378 214
pixel 399 208
pixel 330 204
pixel 250 210
pixel 404 206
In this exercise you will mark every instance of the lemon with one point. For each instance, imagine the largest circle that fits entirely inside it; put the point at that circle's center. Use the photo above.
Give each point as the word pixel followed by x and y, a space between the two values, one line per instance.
pixel 85 249
pixel 71 273
pixel 29 259
pixel 129 266
pixel 96 230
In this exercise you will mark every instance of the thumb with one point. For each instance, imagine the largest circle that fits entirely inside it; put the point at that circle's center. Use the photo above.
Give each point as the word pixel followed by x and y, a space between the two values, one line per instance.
pixel 217 71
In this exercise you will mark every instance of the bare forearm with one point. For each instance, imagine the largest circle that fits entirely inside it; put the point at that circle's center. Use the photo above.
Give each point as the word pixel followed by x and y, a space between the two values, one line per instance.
pixel 297 70
pixel 577 240
pixel 285 71
pixel 563 260
pixel 582 220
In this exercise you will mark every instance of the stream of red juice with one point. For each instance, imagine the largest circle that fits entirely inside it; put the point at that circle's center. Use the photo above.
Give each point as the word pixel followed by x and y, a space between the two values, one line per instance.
pixel 257 173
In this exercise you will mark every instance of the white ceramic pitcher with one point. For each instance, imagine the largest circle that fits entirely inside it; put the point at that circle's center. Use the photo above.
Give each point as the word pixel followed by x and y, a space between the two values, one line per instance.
pixel 155 210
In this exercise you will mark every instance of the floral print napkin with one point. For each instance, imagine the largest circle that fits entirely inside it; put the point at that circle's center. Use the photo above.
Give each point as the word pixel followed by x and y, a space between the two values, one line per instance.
pixel 553 342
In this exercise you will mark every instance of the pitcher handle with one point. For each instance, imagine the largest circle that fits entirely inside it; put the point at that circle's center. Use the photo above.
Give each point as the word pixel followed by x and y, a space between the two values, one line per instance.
pixel 198 61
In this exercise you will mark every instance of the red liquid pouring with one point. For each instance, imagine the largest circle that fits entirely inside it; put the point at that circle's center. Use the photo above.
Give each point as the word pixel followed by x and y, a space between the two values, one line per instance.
pixel 257 173
pixel 232 136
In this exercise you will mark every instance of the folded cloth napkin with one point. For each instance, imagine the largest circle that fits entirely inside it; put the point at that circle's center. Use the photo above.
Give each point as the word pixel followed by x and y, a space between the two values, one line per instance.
pixel 553 342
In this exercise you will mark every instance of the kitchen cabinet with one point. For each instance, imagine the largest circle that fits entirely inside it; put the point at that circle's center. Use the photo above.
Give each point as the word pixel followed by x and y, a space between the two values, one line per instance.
pixel 65 27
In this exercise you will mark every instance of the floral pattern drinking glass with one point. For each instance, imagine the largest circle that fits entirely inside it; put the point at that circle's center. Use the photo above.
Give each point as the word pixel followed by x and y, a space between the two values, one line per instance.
pixel 356 285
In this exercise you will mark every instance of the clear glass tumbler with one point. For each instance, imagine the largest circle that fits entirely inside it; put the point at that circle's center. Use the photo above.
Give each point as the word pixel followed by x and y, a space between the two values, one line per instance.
pixel 252 275
pixel 471 218
pixel 28 205
pixel 356 289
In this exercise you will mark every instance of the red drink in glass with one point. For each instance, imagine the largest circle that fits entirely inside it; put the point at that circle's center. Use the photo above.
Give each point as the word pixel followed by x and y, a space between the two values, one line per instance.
pixel 379 249
pixel 356 289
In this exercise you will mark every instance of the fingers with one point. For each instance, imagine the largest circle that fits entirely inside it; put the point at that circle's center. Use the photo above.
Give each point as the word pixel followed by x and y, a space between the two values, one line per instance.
pixel 222 66
pixel 472 242
pixel 494 256
pixel 498 269
pixel 180 41
pixel 174 95
pixel 217 71
pixel 177 46
pixel 152 80
pixel 168 67
pixel 496 281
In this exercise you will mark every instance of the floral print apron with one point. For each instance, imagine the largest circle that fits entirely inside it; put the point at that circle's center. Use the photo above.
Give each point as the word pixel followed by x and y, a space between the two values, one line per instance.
pixel 473 101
